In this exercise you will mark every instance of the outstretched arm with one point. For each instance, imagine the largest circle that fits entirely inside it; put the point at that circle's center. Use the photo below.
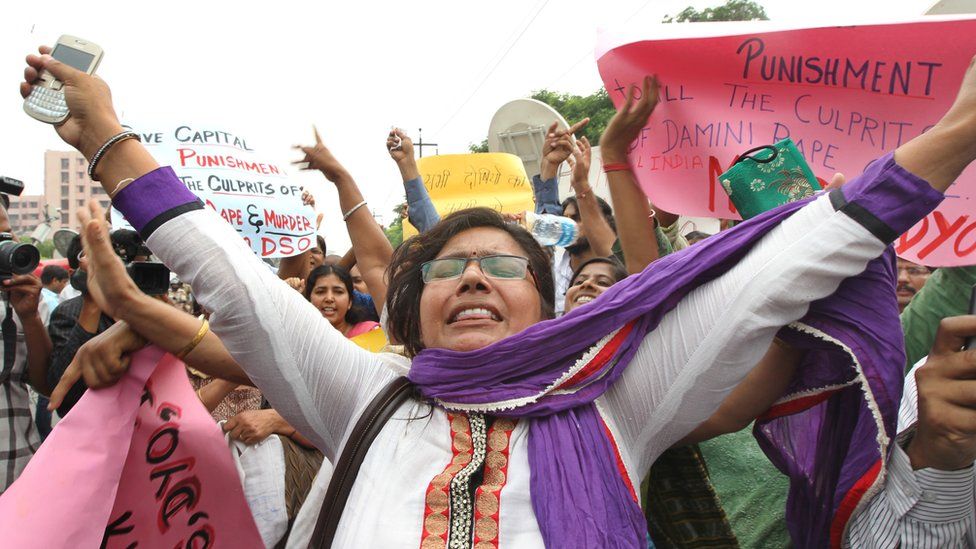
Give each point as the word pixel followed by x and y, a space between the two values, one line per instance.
pixel 632 211
pixel 372 249
pixel 312 375
pixel 420 209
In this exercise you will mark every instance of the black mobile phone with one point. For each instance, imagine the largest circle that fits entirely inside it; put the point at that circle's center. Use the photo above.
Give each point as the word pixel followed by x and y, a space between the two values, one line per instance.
pixel 152 278
pixel 971 341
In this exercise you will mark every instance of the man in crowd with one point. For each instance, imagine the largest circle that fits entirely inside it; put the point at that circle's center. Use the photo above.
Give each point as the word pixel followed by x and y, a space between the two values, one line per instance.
pixel 73 323
pixel 911 278
pixel 24 356
pixel 53 280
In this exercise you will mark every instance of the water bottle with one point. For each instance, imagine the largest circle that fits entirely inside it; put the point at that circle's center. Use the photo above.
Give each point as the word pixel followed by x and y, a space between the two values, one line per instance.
pixel 551 230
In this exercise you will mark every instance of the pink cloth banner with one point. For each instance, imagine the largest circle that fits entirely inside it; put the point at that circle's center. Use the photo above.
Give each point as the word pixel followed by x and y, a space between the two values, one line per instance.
pixel 845 95
pixel 141 462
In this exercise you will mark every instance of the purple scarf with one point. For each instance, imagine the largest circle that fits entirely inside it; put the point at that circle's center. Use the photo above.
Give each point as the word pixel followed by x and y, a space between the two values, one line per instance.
pixel 829 437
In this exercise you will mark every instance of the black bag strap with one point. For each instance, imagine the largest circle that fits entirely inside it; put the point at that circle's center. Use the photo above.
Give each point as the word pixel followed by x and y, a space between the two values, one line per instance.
pixel 347 467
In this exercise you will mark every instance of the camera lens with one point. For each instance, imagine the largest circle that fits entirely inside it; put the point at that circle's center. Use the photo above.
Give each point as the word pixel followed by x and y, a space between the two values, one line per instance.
pixel 18 258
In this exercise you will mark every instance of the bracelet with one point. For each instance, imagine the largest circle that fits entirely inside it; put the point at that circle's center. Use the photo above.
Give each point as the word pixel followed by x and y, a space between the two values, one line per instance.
pixel 619 167
pixel 204 328
pixel 584 194
pixel 118 186
pixel 119 137
pixel 345 216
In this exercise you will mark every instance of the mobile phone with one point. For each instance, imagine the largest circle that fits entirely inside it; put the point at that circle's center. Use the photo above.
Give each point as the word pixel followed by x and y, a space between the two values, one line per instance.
pixel 46 100
pixel 971 341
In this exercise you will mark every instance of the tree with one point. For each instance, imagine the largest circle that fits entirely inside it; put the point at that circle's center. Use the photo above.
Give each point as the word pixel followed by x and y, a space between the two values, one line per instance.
pixel 480 147
pixel 732 10
pixel 394 232
pixel 574 108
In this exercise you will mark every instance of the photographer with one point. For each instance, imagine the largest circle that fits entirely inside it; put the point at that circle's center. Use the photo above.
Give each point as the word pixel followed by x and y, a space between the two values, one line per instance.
pixel 26 349
pixel 79 319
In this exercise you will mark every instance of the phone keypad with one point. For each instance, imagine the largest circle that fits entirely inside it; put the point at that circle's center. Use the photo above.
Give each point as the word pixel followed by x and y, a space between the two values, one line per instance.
pixel 47 102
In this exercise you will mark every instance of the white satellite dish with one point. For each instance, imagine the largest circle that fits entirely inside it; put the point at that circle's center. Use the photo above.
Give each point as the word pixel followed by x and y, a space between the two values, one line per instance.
pixel 952 7
pixel 519 127
pixel 62 239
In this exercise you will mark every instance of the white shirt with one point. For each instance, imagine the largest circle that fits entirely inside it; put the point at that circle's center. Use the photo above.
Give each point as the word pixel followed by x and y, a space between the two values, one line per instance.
pixel 320 382
pixel 924 509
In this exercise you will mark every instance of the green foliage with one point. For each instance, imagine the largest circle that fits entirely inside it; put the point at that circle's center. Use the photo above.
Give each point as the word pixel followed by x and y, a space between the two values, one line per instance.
pixel 577 107
pixel 394 232
pixel 46 248
pixel 732 10
pixel 480 147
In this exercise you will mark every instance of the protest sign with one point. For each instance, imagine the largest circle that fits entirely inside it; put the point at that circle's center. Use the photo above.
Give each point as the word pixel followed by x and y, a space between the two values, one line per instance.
pixel 845 95
pixel 247 189
pixel 140 463
pixel 459 181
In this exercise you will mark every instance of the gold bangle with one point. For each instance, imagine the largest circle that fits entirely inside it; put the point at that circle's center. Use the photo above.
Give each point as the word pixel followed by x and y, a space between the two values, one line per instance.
pixel 204 328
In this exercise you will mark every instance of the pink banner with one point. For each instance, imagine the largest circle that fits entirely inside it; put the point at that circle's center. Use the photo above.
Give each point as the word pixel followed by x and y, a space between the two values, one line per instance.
pixel 845 95
pixel 141 462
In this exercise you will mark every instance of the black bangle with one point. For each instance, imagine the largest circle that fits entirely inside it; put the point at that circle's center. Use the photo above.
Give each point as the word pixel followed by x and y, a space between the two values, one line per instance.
pixel 104 149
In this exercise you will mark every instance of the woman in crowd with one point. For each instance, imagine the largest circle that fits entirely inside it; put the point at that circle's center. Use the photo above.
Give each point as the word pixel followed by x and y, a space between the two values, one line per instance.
pixel 591 279
pixel 583 403
pixel 329 288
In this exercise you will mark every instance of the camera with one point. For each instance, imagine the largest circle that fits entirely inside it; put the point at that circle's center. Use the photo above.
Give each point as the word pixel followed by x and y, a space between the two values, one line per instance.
pixel 150 277
pixel 16 258
pixel 9 186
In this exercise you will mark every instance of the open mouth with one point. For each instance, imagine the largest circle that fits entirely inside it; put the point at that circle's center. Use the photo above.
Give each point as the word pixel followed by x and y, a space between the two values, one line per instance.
pixel 583 299
pixel 328 310
pixel 474 313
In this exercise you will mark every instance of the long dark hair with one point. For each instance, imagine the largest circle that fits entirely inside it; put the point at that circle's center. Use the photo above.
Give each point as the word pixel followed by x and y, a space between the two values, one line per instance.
pixel 355 314
pixel 406 284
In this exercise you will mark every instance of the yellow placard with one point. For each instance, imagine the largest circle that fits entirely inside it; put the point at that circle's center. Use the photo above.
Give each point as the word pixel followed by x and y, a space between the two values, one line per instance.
pixel 458 181
pixel 373 340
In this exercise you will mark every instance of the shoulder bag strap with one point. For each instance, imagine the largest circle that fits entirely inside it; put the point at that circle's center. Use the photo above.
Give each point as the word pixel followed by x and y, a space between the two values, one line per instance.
pixel 347 467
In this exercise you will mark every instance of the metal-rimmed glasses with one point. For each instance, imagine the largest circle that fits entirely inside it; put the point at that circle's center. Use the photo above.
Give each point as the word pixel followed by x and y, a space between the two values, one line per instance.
pixel 504 267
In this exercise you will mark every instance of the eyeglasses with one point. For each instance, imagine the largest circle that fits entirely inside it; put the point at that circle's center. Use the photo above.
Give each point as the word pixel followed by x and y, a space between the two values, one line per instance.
pixel 505 267
pixel 915 271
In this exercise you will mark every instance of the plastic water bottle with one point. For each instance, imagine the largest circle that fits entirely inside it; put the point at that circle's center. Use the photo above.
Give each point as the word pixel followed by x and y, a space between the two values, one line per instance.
pixel 551 230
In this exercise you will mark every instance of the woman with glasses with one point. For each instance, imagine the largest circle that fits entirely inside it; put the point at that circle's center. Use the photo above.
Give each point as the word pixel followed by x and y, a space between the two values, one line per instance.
pixel 526 431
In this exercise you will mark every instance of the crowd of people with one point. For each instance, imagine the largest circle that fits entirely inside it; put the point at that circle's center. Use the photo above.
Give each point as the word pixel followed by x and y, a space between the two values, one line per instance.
pixel 638 388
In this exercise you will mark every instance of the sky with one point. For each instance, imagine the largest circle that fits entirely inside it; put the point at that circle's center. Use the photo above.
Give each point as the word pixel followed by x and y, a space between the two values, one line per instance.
pixel 270 70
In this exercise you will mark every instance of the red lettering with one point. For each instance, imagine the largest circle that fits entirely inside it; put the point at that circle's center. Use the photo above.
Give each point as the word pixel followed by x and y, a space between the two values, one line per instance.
pixel 285 247
pixel 962 235
pixel 185 493
pixel 186 154
pixel 267 246
pixel 156 454
pixel 945 231
pixel 166 471
pixel 906 242
pixel 304 243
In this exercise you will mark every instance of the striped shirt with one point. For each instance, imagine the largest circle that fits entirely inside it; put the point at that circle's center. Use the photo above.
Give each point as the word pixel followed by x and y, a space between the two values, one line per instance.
pixel 920 509
pixel 18 437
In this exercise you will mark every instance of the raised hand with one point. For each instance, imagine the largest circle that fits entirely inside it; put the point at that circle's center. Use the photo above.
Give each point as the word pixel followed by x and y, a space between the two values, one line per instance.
pixel 92 119
pixel 101 361
pixel 557 147
pixel 24 292
pixel 108 282
pixel 626 125
pixel 580 162
pixel 400 146
pixel 946 434
pixel 319 157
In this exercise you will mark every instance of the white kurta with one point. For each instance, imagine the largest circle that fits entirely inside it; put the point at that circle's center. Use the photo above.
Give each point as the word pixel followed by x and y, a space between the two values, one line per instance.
pixel 320 382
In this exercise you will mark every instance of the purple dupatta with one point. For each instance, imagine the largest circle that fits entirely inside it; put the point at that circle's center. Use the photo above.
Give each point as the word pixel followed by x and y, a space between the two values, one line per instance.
pixel 830 434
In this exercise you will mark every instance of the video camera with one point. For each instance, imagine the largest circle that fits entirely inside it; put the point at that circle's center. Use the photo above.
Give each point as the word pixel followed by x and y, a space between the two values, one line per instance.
pixel 151 277
pixel 15 257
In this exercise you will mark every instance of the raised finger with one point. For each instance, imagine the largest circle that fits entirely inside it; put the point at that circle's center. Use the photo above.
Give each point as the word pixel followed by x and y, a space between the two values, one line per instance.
pixel 318 138
pixel 70 376
pixel 552 129
pixel 649 97
pixel 578 126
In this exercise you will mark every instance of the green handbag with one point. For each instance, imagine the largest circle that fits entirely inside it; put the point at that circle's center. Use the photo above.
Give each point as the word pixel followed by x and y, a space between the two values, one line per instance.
pixel 766 177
